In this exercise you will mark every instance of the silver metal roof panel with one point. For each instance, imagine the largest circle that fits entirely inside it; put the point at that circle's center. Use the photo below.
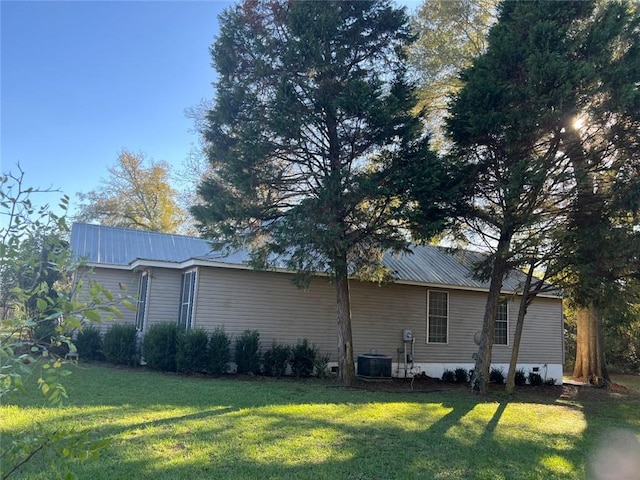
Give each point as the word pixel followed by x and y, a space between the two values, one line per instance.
pixel 427 265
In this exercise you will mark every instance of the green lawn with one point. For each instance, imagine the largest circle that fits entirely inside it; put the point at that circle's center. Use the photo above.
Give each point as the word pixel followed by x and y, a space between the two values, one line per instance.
pixel 172 427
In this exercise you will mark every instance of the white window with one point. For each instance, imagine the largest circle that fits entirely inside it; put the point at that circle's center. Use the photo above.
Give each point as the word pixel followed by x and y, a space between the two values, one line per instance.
pixel 141 311
pixel 187 294
pixel 502 324
pixel 437 316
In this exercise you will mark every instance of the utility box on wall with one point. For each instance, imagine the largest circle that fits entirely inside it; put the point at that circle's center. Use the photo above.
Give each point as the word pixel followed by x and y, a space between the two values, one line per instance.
pixel 373 365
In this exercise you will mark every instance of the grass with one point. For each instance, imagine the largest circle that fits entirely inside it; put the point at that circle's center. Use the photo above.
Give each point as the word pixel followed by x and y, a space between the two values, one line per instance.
pixel 172 427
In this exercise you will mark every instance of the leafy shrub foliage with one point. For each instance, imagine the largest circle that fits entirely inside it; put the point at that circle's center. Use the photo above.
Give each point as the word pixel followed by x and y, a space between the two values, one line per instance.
pixel 550 381
pixel 248 352
pixel 520 379
pixel 321 365
pixel 496 376
pixel 535 379
pixel 88 342
pixel 160 346
pixel 120 345
pixel 303 358
pixel 448 376
pixel 191 354
pixel 219 352
pixel 461 375
pixel 276 359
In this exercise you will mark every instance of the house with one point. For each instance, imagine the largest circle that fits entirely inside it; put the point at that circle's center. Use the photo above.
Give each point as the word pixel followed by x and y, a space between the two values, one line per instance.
pixel 425 320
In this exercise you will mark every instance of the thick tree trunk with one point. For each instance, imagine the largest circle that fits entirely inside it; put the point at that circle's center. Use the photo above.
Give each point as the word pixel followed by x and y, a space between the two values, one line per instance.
pixel 515 348
pixel 346 364
pixel 480 377
pixel 590 362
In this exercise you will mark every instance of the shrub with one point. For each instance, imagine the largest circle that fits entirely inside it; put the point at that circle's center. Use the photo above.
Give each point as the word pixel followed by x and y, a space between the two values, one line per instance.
pixel 120 345
pixel 191 354
pixel 160 346
pixel 535 379
pixel 520 379
pixel 321 365
pixel 448 376
pixel 496 376
pixel 219 352
pixel 461 375
pixel 550 382
pixel 88 342
pixel 248 352
pixel 303 358
pixel 276 359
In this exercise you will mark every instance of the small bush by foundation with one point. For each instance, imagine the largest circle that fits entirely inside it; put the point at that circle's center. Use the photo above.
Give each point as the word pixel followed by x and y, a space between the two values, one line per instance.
pixel 248 352
pixel 219 352
pixel 160 346
pixel 120 345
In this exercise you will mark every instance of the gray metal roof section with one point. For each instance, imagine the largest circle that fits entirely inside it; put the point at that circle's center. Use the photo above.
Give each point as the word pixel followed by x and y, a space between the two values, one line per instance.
pixel 432 265
pixel 427 265
pixel 120 246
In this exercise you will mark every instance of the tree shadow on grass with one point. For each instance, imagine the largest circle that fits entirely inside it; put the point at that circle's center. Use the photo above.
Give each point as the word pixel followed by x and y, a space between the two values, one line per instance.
pixel 270 429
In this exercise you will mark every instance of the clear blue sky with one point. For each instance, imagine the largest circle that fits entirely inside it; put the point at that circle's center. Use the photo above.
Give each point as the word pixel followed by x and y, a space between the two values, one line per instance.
pixel 81 80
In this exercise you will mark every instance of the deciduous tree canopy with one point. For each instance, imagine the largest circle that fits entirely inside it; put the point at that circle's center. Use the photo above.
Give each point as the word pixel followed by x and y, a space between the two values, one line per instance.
pixel 134 195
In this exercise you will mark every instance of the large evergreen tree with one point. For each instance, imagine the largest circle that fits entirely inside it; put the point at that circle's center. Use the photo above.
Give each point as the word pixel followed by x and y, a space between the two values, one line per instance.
pixel 549 64
pixel 313 142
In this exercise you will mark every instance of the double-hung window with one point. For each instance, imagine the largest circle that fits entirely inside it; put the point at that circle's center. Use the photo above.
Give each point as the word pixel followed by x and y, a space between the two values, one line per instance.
pixel 142 301
pixel 502 324
pixel 187 294
pixel 437 316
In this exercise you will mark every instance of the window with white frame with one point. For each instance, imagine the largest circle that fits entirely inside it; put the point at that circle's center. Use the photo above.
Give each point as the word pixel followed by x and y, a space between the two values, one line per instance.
pixel 437 316
pixel 141 311
pixel 187 293
pixel 502 324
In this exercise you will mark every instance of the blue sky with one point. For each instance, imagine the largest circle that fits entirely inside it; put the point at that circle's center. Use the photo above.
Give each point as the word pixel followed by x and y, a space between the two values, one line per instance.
pixel 81 80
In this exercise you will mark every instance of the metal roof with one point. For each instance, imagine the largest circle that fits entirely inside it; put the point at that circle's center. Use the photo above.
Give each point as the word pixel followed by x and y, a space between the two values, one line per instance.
pixel 120 247
pixel 99 244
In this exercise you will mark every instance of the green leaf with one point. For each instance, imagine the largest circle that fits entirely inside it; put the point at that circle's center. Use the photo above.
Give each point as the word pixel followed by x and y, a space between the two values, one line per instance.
pixel 92 315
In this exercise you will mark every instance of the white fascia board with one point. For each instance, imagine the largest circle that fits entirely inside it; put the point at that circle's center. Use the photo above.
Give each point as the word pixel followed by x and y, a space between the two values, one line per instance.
pixel 111 266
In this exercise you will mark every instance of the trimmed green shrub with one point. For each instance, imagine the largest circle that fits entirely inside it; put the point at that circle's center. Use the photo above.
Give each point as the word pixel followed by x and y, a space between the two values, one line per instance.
pixel 535 379
pixel 520 379
pixel 303 357
pixel 88 342
pixel 248 352
pixel 219 352
pixel 448 376
pixel 496 376
pixel 160 346
pixel 461 375
pixel 191 354
pixel 321 365
pixel 276 359
pixel 120 345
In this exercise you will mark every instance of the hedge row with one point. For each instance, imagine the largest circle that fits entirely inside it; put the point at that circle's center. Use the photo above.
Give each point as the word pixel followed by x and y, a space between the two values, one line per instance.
pixel 167 347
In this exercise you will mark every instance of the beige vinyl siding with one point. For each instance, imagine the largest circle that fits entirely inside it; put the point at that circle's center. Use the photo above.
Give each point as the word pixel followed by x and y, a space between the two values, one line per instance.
pixel 111 279
pixel 381 313
pixel 270 303
pixel 542 335
pixel 163 296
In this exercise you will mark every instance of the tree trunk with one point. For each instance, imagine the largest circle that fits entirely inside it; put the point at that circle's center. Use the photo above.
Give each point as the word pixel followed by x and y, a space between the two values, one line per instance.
pixel 590 362
pixel 346 365
pixel 515 348
pixel 480 377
